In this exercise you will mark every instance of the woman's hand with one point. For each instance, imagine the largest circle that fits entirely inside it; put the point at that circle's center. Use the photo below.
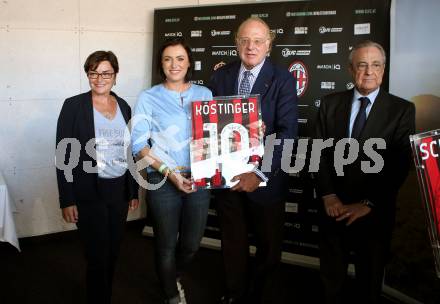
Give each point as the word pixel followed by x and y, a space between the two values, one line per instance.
pixel 70 214
pixel 133 204
pixel 181 183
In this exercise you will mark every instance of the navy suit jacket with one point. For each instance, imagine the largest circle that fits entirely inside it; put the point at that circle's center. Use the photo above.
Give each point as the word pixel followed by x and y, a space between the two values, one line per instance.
pixel 392 119
pixel 76 121
pixel 277 89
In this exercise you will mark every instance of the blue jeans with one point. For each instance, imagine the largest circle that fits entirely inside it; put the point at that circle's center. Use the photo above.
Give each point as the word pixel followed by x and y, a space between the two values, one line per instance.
pixel 179 221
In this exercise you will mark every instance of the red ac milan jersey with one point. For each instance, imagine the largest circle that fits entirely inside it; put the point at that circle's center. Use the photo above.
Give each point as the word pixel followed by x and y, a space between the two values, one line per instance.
pixel 220 120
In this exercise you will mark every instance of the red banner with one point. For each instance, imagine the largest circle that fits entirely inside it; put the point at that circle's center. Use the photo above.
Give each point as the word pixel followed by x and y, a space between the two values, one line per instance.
pixel 426 150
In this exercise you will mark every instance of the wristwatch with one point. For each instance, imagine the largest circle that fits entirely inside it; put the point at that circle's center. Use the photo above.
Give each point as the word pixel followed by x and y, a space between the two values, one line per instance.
pixel 367 203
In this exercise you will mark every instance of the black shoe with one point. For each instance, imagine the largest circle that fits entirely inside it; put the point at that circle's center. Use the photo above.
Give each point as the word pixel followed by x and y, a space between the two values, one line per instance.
pixel 230 300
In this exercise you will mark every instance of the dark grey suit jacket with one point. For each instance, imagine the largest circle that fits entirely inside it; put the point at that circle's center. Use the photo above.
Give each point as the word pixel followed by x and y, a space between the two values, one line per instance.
pixel 390 118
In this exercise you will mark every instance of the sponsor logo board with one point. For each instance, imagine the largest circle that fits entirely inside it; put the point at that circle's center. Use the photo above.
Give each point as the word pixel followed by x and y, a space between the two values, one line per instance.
pixel 300 30
pixel 323 29
pixel 209 18
pixel 198 50
pixel 173 34
pixel 172 20
pixel 362 29
pixel 330 48
pixel 310 13
pixel 230 52
pixel 334 66
pixel 196 33
pixel 220 33
pixel 286 52
pixel 328 85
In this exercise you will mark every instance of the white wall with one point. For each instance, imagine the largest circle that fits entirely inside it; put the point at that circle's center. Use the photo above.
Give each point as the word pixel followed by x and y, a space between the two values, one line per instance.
pixel 414 64
pixel 43 45
pixel 415 45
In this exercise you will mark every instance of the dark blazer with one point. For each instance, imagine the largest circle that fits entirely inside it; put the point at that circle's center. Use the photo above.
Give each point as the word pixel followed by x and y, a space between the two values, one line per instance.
pixel 391 118
pixel 277 88
pixel 76 121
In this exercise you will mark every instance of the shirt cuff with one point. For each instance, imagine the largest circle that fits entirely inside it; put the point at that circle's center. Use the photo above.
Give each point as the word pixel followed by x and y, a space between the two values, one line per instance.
pixel 260 174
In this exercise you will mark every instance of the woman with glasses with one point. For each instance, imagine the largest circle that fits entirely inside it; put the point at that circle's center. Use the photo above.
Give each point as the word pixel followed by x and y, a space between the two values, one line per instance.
pixel 97 193
pixel 161 134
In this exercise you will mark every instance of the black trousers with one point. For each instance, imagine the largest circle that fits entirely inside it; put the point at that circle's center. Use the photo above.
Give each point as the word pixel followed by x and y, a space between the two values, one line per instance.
pixel 237 217
pixel 370 247
pixel 101 226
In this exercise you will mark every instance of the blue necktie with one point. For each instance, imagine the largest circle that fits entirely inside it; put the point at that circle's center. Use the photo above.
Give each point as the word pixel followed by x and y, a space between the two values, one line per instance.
pixel 245 85
pixel 361 118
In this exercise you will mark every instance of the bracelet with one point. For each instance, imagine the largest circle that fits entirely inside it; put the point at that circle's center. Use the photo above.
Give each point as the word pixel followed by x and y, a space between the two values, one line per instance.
pixel 162 168
pixel 168 172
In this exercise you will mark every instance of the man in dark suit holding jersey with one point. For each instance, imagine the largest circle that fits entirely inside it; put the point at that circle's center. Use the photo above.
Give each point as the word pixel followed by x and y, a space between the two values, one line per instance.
pixel 246 207
pixel 359 207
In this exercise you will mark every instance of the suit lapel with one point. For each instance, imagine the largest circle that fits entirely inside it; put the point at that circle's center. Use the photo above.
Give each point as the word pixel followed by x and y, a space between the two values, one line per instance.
pixel 231 87
pixel 342 114
pixel 378 116
pixel 88 114
pixel 264 79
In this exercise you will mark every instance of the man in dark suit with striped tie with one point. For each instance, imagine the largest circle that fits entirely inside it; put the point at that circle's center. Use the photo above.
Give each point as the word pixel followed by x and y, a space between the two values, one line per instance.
pixel 359 206
pixel 247 208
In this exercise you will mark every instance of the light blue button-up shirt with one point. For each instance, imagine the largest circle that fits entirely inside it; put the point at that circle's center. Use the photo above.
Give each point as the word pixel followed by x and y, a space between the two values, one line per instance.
pixel 162 122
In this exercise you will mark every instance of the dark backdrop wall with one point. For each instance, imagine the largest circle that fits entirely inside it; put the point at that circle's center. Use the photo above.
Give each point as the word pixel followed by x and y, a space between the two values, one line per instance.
pixel 313 40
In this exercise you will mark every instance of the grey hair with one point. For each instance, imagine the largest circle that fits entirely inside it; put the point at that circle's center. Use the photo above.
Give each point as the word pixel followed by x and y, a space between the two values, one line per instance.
pixel 257 19
pixel 367 43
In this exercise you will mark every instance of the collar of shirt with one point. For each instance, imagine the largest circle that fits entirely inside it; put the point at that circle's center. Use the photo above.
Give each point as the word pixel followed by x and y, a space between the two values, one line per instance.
pixel 254 73
pixel 372 97
pixel 356 104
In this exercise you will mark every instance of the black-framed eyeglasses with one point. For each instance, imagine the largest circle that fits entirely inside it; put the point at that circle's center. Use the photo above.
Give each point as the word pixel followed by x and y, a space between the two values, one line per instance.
pixel 363 66
pixel 104 75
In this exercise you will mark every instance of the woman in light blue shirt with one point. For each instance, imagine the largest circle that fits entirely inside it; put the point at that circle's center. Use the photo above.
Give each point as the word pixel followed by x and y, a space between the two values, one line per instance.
pixel 162 133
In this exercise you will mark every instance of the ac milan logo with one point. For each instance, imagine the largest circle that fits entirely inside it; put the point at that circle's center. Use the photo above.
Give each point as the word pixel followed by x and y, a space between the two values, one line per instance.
pixel 299 71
